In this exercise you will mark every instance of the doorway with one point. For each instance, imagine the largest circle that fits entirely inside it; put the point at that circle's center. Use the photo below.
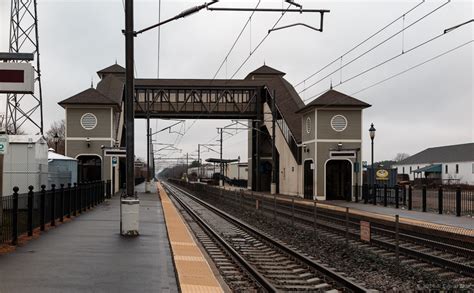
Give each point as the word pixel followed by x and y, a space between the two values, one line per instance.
pixel 338 179
pixel 308 179
pixel 89 168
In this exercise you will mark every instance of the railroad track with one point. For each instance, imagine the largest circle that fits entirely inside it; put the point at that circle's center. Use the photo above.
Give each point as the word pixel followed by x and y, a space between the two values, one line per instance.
pixel 430 253
pixel 272 264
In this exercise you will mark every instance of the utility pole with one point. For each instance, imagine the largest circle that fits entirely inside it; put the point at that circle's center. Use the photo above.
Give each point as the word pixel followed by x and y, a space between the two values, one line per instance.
pixel 130 205
pixel 199 162
pixel 221 179
pixel 273 185
pixel 187 165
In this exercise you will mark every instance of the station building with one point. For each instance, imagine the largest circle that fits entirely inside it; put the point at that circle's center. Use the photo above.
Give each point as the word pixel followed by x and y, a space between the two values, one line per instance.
pixel 452 164
pixel 318 146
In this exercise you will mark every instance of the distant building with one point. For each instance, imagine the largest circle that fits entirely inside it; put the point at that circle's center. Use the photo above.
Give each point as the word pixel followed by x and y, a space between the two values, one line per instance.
pixel 62 169
pixel 237 171
pixel 450 164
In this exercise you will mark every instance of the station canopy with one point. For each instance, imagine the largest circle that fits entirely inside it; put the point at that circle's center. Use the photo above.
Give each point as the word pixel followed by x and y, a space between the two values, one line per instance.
pixel 435 168
pixel 224 161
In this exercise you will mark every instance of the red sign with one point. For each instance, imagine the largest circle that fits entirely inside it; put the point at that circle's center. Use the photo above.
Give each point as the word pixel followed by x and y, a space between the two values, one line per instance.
pixel 7 75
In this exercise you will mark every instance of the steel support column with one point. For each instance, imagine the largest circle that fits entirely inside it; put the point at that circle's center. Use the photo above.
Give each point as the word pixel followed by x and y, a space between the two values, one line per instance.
pixel 273 187
pixel 129 99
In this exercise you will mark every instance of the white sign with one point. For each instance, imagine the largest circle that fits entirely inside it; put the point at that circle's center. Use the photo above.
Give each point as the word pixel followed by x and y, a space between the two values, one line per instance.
pixel 115 152
pixel 16 78
pixel 3 144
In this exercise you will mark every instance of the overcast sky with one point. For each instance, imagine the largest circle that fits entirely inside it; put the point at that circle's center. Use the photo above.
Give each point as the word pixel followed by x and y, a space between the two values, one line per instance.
pixel 431 105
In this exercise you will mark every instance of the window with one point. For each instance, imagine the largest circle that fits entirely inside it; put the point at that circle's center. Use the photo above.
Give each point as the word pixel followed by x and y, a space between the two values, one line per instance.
pixel 410 169
pixel 446 169
pixel 338 123
pixel 403 172
pixel 88 121
pixel 472 168
pixel 457 169
pixel 308 125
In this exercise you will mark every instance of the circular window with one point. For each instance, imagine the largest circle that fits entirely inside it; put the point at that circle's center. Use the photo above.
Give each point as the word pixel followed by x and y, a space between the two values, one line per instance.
pixel 308 125
pixel 339 123
pixel 88 121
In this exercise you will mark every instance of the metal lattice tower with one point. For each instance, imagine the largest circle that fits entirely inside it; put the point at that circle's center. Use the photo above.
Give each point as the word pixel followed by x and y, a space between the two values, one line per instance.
pixel 25 109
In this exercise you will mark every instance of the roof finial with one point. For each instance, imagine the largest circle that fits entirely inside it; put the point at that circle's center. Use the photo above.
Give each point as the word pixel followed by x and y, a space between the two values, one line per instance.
pixel 92 82
pixel 330 86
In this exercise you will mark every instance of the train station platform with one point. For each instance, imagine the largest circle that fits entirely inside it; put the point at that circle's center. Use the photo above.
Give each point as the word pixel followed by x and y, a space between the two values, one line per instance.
pixel 448 223
pixel 89 255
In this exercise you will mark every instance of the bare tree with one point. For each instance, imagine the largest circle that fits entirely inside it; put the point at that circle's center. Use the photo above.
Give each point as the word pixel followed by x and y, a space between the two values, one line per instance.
pixel 57 128
pixel 400 157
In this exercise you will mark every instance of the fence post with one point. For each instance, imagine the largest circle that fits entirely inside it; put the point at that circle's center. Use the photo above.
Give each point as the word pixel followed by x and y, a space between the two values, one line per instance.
pixel 404 195
pixel 274 207
pixel 458 201
pixel 347 226
pixel 365 192
pixel 423 198
pixel 397 239
pixel 315 217
pixel 69 200
pixel 293 212
pixel 385 195
pixel 374 190
pixel 410 197
pixel 61 203
pixel 440 200
pixel 356 192
pixel 397 197
pixel 74 206
pixel 53 204
pixel 30 210
pixel 42 206
pixel 15 216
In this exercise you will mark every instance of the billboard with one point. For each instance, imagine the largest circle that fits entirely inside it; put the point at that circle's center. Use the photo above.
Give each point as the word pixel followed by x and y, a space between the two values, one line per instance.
pixel 16 78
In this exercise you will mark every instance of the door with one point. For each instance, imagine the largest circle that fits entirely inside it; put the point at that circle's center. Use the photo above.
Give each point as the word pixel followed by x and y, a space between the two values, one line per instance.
pixel 308 180
pixel 89 168
pixel 338 179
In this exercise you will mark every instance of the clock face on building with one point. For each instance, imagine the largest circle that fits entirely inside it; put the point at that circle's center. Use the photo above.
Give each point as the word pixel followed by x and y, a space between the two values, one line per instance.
pixel 308 125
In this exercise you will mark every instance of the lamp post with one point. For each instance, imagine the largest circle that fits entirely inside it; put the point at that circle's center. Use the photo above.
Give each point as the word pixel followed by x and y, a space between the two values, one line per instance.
pixel 372 136
pixel 56 140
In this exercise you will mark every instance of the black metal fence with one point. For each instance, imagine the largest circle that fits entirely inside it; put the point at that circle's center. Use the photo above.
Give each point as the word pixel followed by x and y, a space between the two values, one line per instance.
pixel 442 200
pixel 23 213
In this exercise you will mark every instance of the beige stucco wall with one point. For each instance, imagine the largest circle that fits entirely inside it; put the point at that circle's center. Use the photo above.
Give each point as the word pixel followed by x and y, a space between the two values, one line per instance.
pixel 104 122
pixel 289 171
pixel 325 131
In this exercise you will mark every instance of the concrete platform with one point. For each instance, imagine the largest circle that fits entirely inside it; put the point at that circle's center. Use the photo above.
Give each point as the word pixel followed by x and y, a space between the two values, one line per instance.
pixel 89 255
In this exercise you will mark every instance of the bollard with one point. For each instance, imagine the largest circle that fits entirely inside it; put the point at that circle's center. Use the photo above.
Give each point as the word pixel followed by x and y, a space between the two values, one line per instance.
pixel 397 197
pixel 15 216
pixel 30 210
pixel 410 197
pixel 42 206
pixel 61 203
pixel 423 198
pixel 74 202
pixel 53 204
pixel 385 195
pixel 458 201
pixel 69 200
pixel 440 200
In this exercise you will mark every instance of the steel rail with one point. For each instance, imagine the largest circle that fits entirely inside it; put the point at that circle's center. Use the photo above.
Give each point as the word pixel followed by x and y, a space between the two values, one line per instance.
pixel 322 269
pixel 262 281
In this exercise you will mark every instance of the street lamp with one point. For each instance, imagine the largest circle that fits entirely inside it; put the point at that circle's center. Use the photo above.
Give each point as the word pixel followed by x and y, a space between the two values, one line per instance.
pixel 56 140
pixel 372 136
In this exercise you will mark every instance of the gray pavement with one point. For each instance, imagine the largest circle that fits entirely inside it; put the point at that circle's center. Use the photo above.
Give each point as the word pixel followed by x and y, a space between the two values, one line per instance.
pixel 451 220
pixel 89 255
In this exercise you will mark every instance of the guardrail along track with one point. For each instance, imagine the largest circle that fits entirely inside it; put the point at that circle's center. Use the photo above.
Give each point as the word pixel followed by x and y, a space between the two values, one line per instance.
pixel 275 266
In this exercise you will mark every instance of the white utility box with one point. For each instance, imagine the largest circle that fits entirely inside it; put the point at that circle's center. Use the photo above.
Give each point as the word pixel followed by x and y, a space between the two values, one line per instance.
pixel 130 216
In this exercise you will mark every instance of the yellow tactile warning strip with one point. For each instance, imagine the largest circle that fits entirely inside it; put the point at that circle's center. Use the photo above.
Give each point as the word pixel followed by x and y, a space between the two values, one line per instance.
pixel 194 273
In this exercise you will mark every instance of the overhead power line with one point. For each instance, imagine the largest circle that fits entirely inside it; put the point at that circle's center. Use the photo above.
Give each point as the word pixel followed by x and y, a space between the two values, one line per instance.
pixel 236 40
pixel 374 47
pixel 360 44
pixel 415 66
pixel 444 33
